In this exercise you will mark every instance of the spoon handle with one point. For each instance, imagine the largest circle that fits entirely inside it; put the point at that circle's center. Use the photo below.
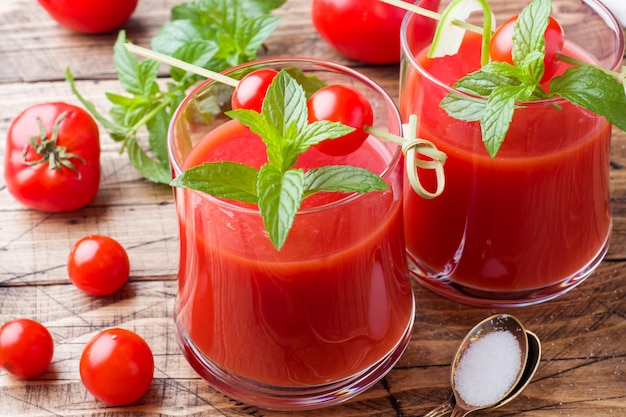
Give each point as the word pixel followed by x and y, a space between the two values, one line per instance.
pixel 443 410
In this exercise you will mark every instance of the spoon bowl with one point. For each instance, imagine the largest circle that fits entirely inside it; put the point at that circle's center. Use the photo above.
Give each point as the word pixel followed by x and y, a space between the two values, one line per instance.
pixel 532 364
pixel 489 364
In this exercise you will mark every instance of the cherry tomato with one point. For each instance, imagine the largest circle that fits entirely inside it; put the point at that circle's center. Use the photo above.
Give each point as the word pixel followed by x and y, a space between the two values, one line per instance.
pixel 85 16
pixel 501 44
pixel 339 103
pixel 26 348
pixel 367 30
pixel 98 265
pixel 117 366
pixel 52 157
pixel 251 90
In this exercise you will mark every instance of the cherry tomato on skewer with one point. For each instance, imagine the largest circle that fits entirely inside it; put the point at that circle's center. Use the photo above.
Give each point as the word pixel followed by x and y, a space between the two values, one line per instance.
pixel 251 90
pixel 339 103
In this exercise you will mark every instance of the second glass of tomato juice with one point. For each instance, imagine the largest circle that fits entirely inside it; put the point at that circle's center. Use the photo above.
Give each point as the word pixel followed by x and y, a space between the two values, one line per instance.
pixel 324 317
pixel 534 221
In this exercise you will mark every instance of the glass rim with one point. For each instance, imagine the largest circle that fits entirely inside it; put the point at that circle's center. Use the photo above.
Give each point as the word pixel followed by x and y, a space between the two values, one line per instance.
pixel 176 166
pixel 601 10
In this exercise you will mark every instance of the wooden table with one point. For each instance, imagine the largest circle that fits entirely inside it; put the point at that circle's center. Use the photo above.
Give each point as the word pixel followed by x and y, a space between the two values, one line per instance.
pixel 582 372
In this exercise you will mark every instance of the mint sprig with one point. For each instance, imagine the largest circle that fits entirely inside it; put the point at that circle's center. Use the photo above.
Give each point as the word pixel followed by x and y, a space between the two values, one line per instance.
pixel 212 34
pixel 506 85
pixel 277 187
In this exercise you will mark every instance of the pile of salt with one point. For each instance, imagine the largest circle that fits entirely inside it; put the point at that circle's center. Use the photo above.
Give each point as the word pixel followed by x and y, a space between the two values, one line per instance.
pixel 488 368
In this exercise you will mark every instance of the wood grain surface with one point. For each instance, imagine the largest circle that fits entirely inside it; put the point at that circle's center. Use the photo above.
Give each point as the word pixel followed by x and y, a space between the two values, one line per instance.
pixel 582 372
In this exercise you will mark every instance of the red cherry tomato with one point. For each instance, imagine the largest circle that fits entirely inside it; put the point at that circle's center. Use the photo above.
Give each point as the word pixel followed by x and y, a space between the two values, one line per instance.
pixel 86 16
pixel 98 265
pixel 117 366
pixel 366 30
pixel 339 103
pixel 26 348
pixel 53 173
pixel 501 44
pixel 251 90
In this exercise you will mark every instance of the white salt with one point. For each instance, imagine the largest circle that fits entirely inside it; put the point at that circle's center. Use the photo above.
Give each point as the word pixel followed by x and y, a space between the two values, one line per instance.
pixel 488 368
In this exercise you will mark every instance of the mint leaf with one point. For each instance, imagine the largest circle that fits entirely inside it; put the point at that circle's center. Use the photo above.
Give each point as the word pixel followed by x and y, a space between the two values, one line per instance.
pixel 317 132
pixel 198 53
pixel 497 117
pixel 342 178
pixel 151 169
pixel 484 81
pixel 468 109
pixel 529 44
pixel 221 179
pixel 213 34
pixel 280 197
pixel 593 89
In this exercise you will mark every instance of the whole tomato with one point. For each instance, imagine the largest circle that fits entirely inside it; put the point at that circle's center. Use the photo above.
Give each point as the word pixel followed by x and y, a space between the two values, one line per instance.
pixel 98 265
pixel 366 30
pixel 26 348
pixel 117 366
pixel 87 16
pixel 52 157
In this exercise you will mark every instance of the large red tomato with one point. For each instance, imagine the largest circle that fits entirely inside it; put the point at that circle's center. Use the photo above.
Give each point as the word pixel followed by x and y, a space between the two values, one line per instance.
pixel 366 30
pixel 85 16
pixel 52 157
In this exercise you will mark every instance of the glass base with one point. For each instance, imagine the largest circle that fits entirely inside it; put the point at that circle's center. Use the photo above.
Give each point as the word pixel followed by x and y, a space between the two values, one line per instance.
pixel 290 398
pixel 443 285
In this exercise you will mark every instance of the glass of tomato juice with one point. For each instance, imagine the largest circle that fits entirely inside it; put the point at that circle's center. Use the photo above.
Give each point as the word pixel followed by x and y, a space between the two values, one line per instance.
pixel 329 314
pixel 534 221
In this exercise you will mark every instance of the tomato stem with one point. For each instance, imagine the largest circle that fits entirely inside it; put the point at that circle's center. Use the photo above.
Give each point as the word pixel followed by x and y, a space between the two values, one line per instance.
pixel 56 156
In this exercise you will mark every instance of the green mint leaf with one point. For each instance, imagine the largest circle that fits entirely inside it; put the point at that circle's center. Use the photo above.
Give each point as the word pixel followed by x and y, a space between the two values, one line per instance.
pixel 271 136
pixel 310 83
pixel 463 108
pixel 126 66
pixel 174 35
pixel 157 137
pixel 593 89
pixel 221 179
pixel 198 53
pixel 280 197
pixel 145 165
pixel 285 106
pixel 261 7
pixel 251 35
pixel 115 129
pixel 484 81
pixel 342 178
pixel 316 132
pixel 528 37
pixel 498 115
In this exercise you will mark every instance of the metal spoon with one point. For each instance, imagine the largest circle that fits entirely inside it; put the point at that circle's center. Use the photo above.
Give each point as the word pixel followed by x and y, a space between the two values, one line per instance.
pixel 530 352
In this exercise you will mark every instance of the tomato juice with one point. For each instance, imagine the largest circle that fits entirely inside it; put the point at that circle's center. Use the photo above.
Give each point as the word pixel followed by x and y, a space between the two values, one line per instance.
pixel 333 302
pixel 519 227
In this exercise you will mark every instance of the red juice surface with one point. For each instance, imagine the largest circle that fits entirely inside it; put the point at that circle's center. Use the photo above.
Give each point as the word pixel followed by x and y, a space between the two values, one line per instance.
pixel 533 216
pixel 336 298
